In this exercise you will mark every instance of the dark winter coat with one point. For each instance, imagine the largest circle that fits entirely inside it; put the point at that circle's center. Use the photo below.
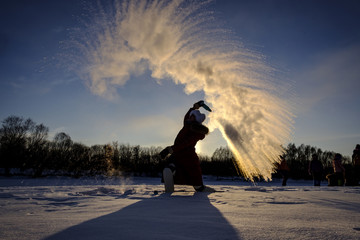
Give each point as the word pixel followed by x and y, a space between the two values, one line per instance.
pixel 186 160
pixel 282 166
pixel 356 157
pixel 315 166
pixel 337 166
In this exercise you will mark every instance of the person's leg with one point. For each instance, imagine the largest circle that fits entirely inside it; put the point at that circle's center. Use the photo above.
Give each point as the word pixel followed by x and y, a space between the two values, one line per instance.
pixel 168 176
pixel 314 180
pixel 168 180
pixel 285 175
pixel 317 179
pixel 340 179
pixel 357 175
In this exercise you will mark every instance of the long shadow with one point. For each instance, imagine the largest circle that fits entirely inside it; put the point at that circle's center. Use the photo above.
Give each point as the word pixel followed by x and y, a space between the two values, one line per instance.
pixel 161 217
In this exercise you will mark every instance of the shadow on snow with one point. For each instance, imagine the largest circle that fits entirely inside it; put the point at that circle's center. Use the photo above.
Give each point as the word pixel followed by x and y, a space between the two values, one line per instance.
pixel 161 217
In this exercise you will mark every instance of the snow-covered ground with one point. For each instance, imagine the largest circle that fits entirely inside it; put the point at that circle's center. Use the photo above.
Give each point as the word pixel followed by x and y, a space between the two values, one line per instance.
pixel 119 208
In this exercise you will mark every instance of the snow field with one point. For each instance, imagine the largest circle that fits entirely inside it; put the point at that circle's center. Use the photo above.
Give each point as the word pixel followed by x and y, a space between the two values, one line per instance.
pixel 61 208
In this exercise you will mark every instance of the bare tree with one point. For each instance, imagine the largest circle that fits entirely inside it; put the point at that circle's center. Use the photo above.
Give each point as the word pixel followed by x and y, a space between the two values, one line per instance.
pixel 37 149
pixel 13 139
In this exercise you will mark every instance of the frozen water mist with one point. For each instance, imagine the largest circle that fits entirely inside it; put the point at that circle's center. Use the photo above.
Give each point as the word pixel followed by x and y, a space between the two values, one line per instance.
pixel 182 41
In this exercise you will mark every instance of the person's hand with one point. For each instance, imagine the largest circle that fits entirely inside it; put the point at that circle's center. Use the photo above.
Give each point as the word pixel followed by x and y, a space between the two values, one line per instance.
pixel 201 103
pixel 164 153
pixel 196 105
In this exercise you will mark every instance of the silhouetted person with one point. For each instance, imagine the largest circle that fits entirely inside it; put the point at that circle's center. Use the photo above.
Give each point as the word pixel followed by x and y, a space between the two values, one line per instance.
pixel 316 169
pixel 284 170
pixel 356 163
pixel 338 177
pixel 184 167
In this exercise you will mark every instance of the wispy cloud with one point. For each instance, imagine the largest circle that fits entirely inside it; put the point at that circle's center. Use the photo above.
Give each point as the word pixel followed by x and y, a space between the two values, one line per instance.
pixel 39 84
pixel 57 30
pixel 331 75
pixel 165 127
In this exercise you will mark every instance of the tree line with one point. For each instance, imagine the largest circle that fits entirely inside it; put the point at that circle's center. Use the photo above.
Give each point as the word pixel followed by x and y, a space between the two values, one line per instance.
pixel 24 146
pixel 299 157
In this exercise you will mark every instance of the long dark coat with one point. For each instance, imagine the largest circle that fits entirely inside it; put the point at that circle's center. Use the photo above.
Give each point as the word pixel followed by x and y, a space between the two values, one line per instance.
pixel 188 171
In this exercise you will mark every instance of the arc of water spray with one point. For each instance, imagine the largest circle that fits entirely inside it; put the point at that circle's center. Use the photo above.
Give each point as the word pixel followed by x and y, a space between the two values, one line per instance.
pixel 182 41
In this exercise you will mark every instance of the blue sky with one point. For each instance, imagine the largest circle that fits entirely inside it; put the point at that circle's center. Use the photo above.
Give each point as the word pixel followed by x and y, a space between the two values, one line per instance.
pixel 314 44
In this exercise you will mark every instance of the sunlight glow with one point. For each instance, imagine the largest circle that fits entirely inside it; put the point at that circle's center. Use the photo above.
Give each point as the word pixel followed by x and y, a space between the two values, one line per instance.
pixel 182 41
